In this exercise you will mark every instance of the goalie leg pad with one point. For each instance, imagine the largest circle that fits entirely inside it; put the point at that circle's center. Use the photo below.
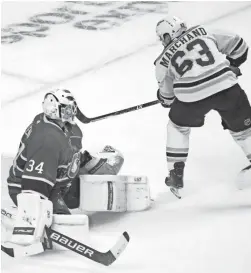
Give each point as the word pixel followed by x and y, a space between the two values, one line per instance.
pixel 33 214
pixel 116 193
pixel 74 226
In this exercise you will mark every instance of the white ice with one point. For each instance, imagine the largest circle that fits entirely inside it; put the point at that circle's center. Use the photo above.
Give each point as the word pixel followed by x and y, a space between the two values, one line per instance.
pixel 209 229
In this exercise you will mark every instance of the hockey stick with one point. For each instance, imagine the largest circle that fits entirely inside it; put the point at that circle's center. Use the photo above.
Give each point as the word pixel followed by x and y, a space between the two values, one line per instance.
pixel 81 117
pixel 106 258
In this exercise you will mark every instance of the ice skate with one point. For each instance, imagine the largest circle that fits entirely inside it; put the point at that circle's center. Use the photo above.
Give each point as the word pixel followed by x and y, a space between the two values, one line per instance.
pixel 175 178
pixel 243 179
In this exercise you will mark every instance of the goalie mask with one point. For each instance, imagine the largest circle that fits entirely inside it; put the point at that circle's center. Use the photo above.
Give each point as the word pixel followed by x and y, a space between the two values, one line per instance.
pixel 60 105
pixel 171 26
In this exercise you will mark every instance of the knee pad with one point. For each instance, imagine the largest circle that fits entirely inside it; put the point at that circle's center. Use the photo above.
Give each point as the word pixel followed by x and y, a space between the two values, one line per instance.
pixel 33 215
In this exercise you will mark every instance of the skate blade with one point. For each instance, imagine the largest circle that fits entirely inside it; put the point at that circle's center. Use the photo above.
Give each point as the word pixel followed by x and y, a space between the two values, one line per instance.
pixel 175 192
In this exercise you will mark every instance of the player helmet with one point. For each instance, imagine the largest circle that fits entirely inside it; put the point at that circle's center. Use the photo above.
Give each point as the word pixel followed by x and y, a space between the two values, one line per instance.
pixel 60 104
pixel 171 25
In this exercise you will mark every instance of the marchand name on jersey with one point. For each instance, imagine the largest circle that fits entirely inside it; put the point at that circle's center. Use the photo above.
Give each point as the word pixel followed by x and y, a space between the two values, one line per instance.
pixel 184 39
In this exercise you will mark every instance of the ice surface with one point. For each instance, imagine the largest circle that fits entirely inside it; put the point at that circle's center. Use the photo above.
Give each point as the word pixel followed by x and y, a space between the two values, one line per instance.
pixel 208 231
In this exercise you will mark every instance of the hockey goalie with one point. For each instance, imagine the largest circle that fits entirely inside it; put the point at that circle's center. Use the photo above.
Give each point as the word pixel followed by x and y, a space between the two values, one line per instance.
pixel 50 176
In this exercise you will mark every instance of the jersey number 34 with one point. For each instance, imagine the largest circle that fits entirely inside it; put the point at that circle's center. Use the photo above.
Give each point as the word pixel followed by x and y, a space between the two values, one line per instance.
pixel 33 167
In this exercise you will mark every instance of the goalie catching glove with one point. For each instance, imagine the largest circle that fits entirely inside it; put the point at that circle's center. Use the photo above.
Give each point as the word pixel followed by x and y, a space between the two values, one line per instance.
pixel 165 102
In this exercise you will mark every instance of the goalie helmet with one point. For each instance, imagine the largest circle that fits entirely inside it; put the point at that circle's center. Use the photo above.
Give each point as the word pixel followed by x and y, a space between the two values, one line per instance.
pixel 171 25
pixel 60 105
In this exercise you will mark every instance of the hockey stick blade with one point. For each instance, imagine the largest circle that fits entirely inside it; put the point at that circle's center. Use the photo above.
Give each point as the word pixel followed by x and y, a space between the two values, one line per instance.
pixel 106 258
pixel 84 119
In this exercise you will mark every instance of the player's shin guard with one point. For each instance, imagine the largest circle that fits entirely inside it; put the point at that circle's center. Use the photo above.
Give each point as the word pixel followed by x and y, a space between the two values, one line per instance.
pixel 243 139
pixel 177 144
pixel 177 147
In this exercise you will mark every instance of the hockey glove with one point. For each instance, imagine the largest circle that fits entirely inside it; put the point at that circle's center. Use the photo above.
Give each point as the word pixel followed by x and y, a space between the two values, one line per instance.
pixel 165 102
pixel 236 70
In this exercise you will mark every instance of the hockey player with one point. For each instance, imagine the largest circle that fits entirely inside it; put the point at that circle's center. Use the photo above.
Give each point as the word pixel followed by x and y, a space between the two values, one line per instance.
pixel 48 161
pixel 197 72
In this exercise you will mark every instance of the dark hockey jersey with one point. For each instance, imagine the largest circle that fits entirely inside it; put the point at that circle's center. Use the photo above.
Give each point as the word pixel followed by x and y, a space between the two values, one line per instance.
pixel 47 154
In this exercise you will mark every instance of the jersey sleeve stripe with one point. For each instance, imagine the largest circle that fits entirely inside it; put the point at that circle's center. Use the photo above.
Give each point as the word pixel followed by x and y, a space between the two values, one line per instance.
pixel 238 45
pixel 240 52
pixel 20 170
pixel 12 184
pixel 38 179
pixel 62 179
pixel 24 158
pixel 64 166
pixel 231 45
pixel 20 162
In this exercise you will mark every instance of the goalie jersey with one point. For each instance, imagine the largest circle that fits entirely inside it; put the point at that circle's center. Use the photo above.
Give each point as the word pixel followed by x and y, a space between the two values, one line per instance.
pixel 196 64
pixel 47 154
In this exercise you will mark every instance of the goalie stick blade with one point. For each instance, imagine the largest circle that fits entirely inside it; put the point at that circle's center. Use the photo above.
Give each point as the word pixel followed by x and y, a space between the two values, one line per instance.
pixel 106 258
pixel 112 255
pixel 126 235
pixel 120 246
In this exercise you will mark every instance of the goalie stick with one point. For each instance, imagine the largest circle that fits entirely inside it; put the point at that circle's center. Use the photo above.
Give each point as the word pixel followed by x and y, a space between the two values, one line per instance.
pixel 105 258
pixel 84 119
